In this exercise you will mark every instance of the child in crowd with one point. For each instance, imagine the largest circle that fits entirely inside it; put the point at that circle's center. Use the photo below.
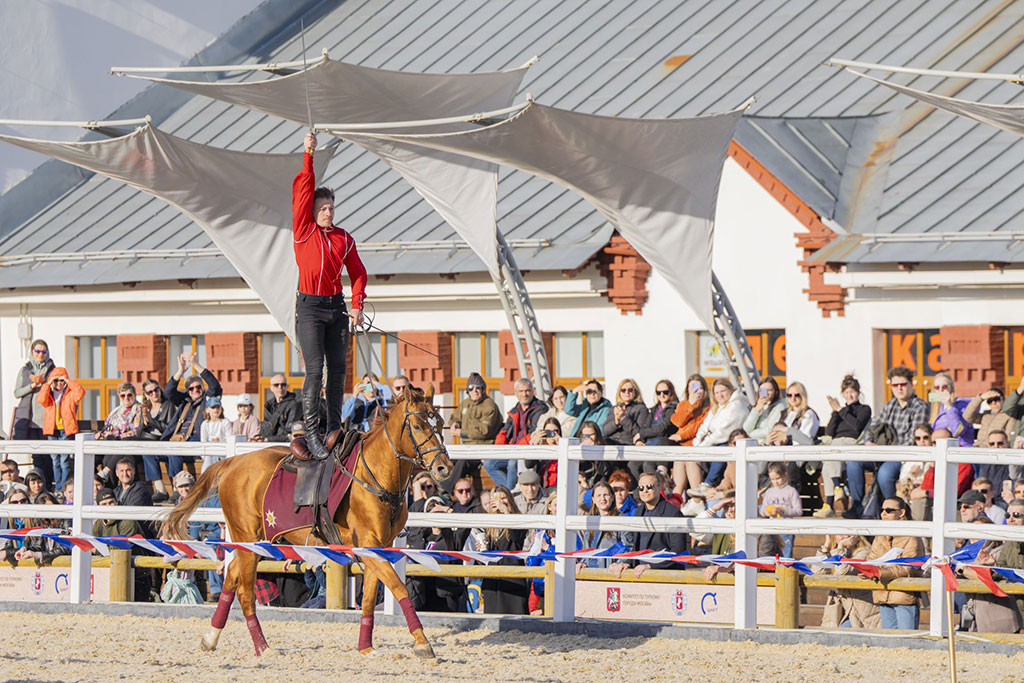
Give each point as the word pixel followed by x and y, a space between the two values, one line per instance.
pixel 247 424
pixel 214 427
pixel 780 501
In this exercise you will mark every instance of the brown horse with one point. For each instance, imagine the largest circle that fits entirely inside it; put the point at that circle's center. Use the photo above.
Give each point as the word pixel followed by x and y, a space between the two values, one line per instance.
pixel 408 434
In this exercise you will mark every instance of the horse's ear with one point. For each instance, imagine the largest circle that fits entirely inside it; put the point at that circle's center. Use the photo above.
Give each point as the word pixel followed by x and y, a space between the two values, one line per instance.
pixel 428 395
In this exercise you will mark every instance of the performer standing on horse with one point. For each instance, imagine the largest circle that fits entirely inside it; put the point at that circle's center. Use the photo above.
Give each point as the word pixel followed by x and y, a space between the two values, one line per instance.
pixel 322 250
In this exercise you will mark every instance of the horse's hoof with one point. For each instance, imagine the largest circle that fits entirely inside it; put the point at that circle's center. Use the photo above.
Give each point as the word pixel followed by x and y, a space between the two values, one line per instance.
pixel 206 646
pixel 369 652
pixel 424 651
pixel 270 652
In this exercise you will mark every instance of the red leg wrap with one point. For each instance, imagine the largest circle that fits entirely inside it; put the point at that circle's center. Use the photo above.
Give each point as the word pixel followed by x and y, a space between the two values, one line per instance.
pixel 365 632
pixel 258 641
pixel 410 615
pixel 220 615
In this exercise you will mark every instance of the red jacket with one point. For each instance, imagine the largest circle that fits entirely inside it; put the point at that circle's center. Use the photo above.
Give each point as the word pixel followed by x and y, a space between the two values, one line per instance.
pixel 964 479
pixel 69 401
pixel 321 254
pixel 521 423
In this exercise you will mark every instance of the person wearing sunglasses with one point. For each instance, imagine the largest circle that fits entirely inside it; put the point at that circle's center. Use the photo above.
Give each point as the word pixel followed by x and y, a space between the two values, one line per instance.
pixel 475 421
pixel 29 414
pixel 1011 554
pixel 945 413
pixel 660 427
pixel 60 396
pixel 189 405
pixel 280 411
pixel 124 420
pixel 899 609
pixel 992 510
pixel 629 415
pixel 653 504
pixel 986 411
pixel 587 403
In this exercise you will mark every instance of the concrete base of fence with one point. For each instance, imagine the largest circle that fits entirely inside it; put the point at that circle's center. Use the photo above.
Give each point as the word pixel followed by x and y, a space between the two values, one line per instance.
pixel 586 627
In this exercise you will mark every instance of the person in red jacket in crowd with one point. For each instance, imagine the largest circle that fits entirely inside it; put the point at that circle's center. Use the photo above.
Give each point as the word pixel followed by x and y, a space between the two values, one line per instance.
pixel 60 395
pixel 322 251
pixel 521 423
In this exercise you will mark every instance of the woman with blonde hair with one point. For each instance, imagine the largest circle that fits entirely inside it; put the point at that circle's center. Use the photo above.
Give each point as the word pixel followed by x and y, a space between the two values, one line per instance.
pixel 629 415
pixel 504 596
pixel 728 412
pixel 799 415
pixel 943 412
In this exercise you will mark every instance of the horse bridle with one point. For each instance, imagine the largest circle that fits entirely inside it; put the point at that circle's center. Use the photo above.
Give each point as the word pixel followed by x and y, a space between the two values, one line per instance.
pixel 394 499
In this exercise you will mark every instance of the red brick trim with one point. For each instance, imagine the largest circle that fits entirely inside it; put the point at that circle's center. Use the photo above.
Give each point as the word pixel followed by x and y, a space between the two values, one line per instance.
pixel 233 358
pixel 626 272
pixel 830 298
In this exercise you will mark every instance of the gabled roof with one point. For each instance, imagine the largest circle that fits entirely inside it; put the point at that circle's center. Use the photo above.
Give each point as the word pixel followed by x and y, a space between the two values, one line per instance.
pixel 860 155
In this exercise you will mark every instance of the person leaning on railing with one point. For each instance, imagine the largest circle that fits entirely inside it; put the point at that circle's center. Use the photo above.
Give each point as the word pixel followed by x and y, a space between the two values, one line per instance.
pixel 38 548
pixel 846 606
pixel 503 595
pixel 654 504
pixel 899 609
pixel 602 505
pixel 1011 554
pixel 985 612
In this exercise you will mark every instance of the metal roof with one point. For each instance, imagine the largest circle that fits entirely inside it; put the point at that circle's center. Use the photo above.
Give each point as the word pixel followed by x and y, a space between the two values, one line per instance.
pixel 870 159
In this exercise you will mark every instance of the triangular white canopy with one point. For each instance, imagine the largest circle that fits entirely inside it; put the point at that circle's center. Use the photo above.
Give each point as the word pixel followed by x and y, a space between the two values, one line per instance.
pixel 1008 117
pixel 241 200
pixel 464 192
pixel 655 180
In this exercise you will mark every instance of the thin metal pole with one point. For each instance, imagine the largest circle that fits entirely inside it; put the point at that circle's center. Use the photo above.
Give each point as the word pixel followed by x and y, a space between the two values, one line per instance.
pixel 76 124
pixel 952 637
pixel 305 76
pixel 342 128
pixel 270 66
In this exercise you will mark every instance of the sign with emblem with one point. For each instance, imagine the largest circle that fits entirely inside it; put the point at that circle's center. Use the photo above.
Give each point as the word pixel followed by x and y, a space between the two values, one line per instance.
pixel 665 602
pixel 49 583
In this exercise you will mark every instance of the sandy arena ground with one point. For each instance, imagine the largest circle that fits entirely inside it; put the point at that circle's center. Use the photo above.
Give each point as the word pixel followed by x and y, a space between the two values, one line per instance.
pixel 71 648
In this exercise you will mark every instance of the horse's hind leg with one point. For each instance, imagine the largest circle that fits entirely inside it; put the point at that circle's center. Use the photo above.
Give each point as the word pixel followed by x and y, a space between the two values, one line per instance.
pixel 370 581
pixel 247 598
pixel 387 574
pixel 220 615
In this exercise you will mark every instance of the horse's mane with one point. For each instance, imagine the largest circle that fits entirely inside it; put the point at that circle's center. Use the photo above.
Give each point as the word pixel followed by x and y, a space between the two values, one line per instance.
pixel 378 422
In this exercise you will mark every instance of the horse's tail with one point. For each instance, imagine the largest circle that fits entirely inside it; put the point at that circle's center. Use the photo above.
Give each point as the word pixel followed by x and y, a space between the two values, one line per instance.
pixel 175 526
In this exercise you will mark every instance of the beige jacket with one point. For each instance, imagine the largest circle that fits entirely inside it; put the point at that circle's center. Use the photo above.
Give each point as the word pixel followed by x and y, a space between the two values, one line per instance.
pixel 912 547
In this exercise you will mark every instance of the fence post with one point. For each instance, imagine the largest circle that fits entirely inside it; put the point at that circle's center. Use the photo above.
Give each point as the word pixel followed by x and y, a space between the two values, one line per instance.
pixel 231 450
pixel 121 578
pixel 564 584
pixel 787 597
pixel 549 588
pixel 943 510
pixel 391 605
pixel 337 585
pixel 80 578
pixel 745 615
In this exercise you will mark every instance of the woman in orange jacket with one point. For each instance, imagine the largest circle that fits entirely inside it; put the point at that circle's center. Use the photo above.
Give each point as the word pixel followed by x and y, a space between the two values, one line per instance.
pixel 60 395
pixel 688 417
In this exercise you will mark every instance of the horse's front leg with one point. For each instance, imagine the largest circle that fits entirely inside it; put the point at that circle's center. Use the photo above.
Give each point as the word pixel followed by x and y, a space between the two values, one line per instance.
pixel 387 574
pixel 370 581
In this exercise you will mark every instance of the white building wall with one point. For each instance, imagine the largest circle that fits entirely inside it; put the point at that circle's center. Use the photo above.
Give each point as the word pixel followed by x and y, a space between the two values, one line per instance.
pixel 756 260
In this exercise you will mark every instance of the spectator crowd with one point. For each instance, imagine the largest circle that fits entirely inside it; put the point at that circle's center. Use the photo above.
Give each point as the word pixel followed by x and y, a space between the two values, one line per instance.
pixel 704 416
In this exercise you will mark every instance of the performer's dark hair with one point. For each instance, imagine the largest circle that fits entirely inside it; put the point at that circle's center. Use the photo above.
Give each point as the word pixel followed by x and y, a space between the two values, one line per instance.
pixel 323 193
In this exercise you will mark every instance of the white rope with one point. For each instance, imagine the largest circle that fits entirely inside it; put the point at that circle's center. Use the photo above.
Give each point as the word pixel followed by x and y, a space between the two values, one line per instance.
pixel 77 124
pixel 342 128
pixel 270 66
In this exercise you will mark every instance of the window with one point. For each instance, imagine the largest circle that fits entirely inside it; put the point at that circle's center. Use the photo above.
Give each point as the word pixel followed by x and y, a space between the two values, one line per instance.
pixel 919 350
pixel 96 370
pixel 477 352
pixel 578 356
pixel 375 348
pixel 278 354
pixel 767 346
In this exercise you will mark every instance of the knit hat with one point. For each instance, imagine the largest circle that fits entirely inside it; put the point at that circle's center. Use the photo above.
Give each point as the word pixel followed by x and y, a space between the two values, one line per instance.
pixel 475 380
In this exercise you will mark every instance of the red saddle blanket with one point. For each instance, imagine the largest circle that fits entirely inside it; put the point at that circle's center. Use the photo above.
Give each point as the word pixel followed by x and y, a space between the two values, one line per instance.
pixel 279 513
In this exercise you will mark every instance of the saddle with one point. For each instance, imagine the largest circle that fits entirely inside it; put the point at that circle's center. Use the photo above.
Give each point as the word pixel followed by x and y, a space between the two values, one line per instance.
pixel 313 478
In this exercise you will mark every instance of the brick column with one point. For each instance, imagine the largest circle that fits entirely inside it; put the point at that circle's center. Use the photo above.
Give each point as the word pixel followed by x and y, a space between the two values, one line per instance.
pixel 510 363
pixel 422 367
pixel 627 272
pixel 141 357
pixel 973 355
pixel 233 359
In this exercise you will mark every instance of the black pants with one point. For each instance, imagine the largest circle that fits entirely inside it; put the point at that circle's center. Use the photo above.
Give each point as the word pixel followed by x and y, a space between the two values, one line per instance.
pixel 321 327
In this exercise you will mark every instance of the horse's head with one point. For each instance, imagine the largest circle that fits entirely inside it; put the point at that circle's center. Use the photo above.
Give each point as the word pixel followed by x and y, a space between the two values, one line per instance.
pixel 421 437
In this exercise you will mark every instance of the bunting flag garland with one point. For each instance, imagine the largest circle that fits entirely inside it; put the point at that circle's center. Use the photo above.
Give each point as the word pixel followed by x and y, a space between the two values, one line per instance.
pixel 315 556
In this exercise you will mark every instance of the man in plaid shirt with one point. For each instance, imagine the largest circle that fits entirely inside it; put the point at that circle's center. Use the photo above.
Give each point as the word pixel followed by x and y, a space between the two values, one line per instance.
pixel 903 413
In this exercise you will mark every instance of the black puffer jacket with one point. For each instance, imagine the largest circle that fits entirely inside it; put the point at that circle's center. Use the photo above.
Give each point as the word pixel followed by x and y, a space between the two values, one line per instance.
pixel 637 417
